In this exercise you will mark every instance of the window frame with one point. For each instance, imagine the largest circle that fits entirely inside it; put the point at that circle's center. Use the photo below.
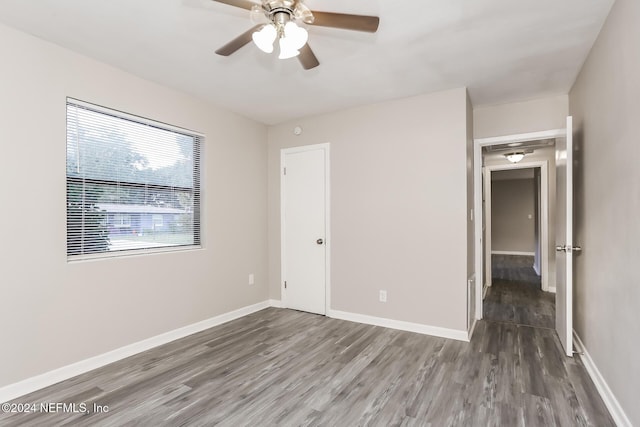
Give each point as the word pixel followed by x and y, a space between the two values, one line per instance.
pixel 199 142
pixel 120 222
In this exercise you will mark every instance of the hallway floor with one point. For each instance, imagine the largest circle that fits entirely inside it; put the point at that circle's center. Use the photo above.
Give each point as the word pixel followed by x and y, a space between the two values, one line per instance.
pixel 516 296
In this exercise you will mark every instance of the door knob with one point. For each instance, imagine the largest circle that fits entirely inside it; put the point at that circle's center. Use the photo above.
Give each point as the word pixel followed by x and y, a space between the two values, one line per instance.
pixel 319 241
pixel 569 248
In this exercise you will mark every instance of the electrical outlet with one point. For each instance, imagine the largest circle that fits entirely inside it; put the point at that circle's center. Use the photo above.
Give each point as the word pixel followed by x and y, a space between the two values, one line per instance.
pixel 383 296
pixel 251 279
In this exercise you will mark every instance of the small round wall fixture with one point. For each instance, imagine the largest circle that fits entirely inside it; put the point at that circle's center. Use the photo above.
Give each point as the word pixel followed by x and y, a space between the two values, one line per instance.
pixel 297 130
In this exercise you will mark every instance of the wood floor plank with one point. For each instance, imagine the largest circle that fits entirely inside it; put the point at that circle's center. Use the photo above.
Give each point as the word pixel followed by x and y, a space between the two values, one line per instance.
pixel 287 368
pixel 516 295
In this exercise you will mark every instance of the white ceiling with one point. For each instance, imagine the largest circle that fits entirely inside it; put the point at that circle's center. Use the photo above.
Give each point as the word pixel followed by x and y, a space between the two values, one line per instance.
pixel 502 50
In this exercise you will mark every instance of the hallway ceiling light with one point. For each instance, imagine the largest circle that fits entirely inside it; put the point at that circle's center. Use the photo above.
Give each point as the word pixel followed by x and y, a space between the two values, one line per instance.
pixel 515 157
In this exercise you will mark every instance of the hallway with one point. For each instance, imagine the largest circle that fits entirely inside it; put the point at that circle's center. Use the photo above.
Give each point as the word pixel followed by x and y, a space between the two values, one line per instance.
pixel 516 296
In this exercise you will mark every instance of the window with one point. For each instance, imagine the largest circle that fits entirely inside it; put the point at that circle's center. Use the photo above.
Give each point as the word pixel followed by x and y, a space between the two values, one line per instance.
pixel 132 184
pixel 121 220
pixel 157 221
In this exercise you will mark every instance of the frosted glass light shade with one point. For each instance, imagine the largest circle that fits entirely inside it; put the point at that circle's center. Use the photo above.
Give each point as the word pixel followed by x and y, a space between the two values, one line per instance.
pixel 294 38
pixel 265 37
pixel 514 157
pixel 287 50
pixel 295 35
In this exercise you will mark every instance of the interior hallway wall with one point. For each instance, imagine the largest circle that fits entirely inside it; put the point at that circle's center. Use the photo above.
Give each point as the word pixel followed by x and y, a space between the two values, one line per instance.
pixel 513 215
pixel 605 102
pixel 520 117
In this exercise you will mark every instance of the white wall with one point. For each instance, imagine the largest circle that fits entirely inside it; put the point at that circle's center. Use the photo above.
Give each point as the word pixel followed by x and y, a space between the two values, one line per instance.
pixel 394 226
pixel 605 102
pixel 520 117
pixel 55 313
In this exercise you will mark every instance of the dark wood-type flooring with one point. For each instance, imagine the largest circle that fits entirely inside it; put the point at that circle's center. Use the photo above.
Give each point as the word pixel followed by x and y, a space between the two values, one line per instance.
pixel 289 368
pixel 516 295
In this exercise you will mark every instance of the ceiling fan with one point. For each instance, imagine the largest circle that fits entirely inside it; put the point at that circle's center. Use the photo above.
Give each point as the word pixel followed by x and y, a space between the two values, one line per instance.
pixel 278 20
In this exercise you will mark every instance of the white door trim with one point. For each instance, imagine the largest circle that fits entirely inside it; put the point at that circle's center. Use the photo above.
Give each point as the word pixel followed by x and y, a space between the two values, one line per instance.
pixel 544 210
pixel 327 219
pixel 478 144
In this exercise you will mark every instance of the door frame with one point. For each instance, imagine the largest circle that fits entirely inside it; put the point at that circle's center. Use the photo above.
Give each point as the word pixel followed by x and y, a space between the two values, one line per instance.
pixel 544 216
pixel 327 220
pixel 478 144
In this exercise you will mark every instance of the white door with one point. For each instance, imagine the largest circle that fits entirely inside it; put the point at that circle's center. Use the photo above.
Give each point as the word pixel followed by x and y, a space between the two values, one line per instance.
pixel 304 231
pixel 564 239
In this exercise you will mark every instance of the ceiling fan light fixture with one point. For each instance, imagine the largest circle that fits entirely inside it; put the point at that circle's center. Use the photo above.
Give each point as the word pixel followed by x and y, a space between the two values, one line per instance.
pixel 292 40
pixel 295 35
pixel 265 37
pixel 277 19
pixel 287 50
pixel 303 13
pixel 257 15
pixel 515 157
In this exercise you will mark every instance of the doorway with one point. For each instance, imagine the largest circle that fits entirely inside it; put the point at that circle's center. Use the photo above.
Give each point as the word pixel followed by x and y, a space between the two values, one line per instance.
pixel 305 228
pixel 489 158
pixel 528 230
pixel 564 247
pixel 516 216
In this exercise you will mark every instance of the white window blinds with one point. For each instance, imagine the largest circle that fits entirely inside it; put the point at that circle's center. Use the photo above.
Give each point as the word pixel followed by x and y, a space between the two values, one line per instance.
pixel 132 184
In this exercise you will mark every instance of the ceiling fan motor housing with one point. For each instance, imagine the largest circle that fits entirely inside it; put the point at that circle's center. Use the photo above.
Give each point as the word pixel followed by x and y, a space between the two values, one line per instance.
pixel 275 10
pixel 269 5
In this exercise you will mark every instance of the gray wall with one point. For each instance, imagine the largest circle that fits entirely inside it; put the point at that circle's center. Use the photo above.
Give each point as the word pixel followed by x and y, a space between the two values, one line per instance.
pixel 512 201
pixel 520 117
pixel 394 226
pixel 55 313
pixel 605 102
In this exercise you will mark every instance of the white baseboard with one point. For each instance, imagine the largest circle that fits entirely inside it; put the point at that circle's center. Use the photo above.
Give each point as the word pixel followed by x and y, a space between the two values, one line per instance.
pixel 401 325
pixel 485 289
pixel 275 303
pixel 616 411
pixel 552 289
pixel 513 253
pixel 393 324
pixel 29 385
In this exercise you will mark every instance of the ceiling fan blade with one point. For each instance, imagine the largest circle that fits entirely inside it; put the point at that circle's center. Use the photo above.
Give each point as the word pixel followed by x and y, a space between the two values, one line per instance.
pixel 345 21
pixel 243 4
pixel 307 58
pixel 238 42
